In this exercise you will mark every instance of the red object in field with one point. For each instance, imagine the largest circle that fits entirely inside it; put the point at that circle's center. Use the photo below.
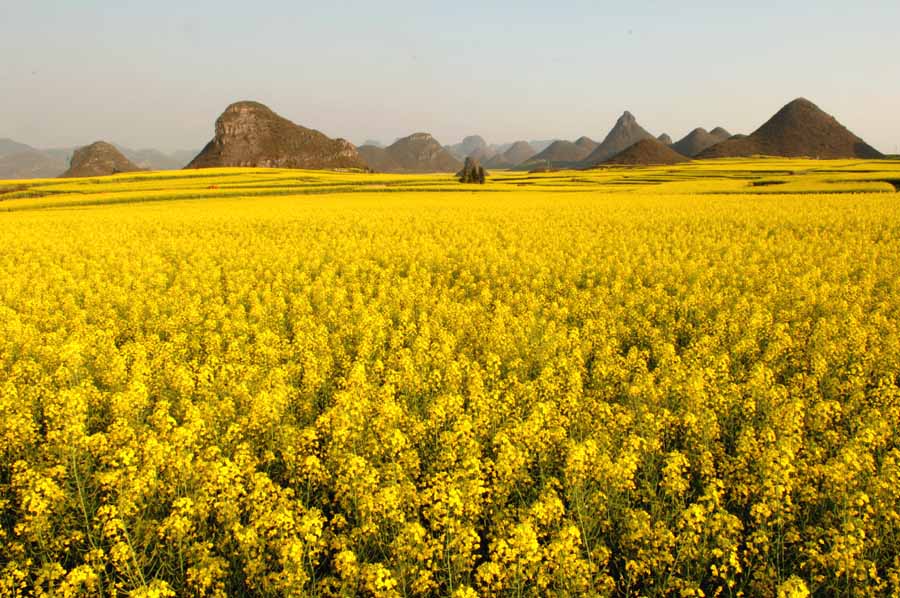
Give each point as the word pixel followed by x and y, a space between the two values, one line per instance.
pixel 213 187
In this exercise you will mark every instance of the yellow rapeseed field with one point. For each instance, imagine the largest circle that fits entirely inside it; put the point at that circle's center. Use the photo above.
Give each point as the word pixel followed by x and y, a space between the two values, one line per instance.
pixel 679 381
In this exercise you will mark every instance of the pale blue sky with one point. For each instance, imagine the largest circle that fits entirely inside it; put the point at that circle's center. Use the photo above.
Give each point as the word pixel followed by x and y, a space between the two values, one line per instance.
pixel 157 74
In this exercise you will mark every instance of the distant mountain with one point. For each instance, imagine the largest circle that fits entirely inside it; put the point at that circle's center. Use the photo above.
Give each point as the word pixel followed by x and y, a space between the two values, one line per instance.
pixel 250 134
pixel 721 134
pixel 373 142
pixel 420 152
pixel 496 162
pixel 60 153
pixel 8 146
pixel 476 146
pixel 623 135
pixel 644 153
pixel 378 159
pixel 699 139
pixel 586 144
pixel 468 146
pixel 184 157
pixel 44 163
pixel 799 129
pixel 482 154
pixel 151 159
pixel 518 152
pixel 664 139
pixel 30 164
pixel 562 154
pixel 540 145
pixel 98 159
pixel 515 154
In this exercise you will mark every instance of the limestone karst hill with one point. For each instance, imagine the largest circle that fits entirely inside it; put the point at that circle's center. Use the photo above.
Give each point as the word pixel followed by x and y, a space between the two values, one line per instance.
pixel 419 152
pixel 625 133
pixel 468 146
pixel 377 158
pixel 646 152
pixel 698 140
pixel 98 159
pixel 515 154
pixel 562 154
pixel 799 129
pixel 251 134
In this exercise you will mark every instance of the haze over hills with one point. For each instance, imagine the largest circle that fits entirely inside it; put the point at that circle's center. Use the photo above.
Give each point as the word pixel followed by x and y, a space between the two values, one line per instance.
pixel 30 164
pixel 540 145
pixel 482 154
pixel 477 147
pixel 183 157
pixel 152 159
pixel 515 154
pixel 519 151
pixel 562 154
pixel 625 133
pixel 698 140
pixel 21 161
pixel 250 134
pixel 378 159
pixel 419 152
pixel 98 159
pixel 468 146
pixel 8 146
pixel 799 129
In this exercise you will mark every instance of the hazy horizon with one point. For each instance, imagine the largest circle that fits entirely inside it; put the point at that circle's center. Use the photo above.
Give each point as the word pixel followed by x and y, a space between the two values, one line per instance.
pixel 158 76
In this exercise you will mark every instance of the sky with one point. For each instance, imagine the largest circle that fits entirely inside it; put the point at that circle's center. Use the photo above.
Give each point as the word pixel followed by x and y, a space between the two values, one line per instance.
pixel 157 74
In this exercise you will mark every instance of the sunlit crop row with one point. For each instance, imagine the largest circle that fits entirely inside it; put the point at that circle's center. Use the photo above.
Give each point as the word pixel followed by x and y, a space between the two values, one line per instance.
pixel 452 394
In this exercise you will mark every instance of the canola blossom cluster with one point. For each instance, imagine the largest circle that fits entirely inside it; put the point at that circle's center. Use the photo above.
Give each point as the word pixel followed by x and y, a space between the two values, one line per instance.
pixel 446 394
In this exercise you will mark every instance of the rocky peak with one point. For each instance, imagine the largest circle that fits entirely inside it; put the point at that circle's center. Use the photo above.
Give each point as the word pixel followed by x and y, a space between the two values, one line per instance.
pixel 249 134
pixel 695 142
pixel 627 118
pixel 240 117
pixel 625 133
pixel 98 159
pixel 419 152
